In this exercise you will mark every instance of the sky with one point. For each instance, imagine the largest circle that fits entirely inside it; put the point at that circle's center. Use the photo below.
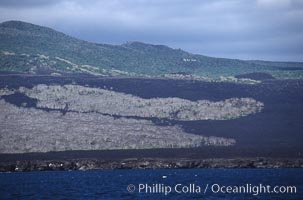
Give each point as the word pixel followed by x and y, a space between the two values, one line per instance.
pixel 243 29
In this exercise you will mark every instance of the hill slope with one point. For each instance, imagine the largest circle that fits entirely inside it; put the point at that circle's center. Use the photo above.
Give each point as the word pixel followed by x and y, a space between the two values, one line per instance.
pixel 31 48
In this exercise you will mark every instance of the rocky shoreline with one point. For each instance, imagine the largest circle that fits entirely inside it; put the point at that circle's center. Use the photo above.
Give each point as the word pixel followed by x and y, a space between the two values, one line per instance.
pixel 148 163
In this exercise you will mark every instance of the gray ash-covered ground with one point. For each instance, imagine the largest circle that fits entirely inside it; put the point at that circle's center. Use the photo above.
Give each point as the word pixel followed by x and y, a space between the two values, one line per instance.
pixel 276 129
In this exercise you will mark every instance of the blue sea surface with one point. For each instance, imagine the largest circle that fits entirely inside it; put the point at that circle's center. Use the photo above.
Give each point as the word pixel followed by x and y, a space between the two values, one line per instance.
pixel 149 184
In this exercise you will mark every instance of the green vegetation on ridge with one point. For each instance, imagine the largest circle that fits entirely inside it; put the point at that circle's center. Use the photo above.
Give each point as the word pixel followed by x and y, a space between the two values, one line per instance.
pixel 30 48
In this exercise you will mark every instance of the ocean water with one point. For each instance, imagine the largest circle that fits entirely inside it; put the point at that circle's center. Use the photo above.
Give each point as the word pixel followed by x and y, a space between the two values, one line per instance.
pixel 154 184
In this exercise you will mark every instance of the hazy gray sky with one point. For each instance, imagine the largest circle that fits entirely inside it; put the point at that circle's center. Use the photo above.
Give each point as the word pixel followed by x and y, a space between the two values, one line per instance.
pixel 245 29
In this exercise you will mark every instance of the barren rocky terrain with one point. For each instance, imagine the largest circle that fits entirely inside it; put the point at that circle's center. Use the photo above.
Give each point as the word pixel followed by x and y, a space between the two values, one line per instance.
pixel 171 119
pixel 32 130
pixel 74 117
pixel 86 99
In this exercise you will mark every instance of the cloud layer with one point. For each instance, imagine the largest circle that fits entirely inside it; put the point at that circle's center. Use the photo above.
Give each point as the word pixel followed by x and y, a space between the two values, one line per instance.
pixel 261 29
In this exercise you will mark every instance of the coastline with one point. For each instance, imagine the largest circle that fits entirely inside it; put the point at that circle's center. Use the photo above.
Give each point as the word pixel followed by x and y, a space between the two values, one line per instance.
pixel 148 163
pixel 187 158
